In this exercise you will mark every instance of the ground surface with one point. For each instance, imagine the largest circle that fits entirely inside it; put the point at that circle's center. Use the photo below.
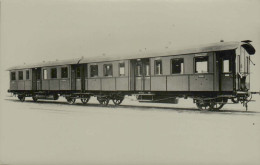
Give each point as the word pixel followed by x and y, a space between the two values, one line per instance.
pixel 53 132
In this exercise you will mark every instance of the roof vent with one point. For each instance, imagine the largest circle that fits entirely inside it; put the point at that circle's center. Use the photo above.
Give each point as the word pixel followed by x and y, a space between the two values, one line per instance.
pixel 246 41
pixel 221 40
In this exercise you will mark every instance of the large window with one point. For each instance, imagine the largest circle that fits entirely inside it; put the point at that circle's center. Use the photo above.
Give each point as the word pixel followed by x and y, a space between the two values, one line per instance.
pixel 20 75
pixel 121 69
pixel 78 72
pixel 64 72
pixel 108 70
pixel 45 74
pixel 53 72
pixel 177 66
pixel 27 75
pixel 13 76
pixel 158 67
pixel 201 64
pixel 93 70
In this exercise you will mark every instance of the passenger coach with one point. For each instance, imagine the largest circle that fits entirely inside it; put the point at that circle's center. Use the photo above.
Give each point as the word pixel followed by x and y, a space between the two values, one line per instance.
pixel 209 74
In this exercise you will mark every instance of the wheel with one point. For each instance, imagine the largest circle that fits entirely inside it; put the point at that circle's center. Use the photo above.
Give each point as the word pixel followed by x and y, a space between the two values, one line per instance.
pixel 235 99
pixel 85 100
pixel 204 106
pixel 21 98
pixel 34 98
pixel 70 100
pixel 118 100
pixel 217 106
pixel 103 100
pixel 55 97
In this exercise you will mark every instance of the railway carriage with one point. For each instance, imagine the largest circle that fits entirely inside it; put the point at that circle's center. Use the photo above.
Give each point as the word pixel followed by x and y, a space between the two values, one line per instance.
pixel 210 75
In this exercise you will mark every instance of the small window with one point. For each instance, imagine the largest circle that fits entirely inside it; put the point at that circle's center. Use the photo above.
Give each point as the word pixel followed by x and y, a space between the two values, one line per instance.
pixel 78 75
pixel 108 70
pixel 38 74
pixel 20 75
pixel 248 64
pixel 27 75
pixel 177 66
pixel 227 66
pixel 64 72
pixel 45 74
pixel 93 70
pixel 147 69
pixel 13 76
pixel 139 70
pixel 158 67
pixel 201 64
pixel 53 72
pixel 121 69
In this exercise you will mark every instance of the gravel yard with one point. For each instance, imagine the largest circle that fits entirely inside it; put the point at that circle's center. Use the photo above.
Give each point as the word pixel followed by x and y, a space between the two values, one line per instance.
pixel 53 132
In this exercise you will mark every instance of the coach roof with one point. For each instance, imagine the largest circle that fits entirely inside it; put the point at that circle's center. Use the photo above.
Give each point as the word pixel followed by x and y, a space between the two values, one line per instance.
pixel 220 46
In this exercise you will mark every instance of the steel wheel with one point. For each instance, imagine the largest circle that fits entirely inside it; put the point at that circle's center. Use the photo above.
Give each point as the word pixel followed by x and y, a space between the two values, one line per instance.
pixel 204 106
pixel 103 100
pixel 21 98
pixel 55 97
pixel 71 100
pixel 235 99
pixel 34 98
pixel 217 106
pixel 118 101
pixel 85 100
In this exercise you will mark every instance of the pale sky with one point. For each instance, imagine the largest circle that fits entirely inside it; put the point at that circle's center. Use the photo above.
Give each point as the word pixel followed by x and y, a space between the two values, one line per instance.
pixel 46 30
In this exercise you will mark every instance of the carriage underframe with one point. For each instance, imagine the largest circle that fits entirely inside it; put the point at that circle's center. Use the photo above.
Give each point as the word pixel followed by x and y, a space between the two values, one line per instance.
pixel 204 100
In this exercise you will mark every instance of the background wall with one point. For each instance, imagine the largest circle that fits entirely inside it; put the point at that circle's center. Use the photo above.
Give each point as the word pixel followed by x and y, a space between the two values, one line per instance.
pixel 44 30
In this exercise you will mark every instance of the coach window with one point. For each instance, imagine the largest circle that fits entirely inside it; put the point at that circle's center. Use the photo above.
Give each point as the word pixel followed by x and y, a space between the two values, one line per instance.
pixel 201 64
pixel 78 75
pixel 20 75
pixel 147 69
pixel 53 72
pixel 64 72
pixel 93 70
pixel 44 74
pixel 27 75
pixel 158 67
pixel 139 70
pixel 177 66
pixel 13 76
pixel 121 69
pixel 108 69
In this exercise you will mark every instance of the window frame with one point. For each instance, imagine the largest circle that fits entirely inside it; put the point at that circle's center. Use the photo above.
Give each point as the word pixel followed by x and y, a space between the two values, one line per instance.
pixel 43 75
pixel 76 70
pixel 90 67
pixel 120 75
pixel 56 73
pixel 27 78
pixel 195 64
pixel 13 73
pixel 104 70
pixel 178 58
pixel 20 78
pixel 155 67
pixel 61 73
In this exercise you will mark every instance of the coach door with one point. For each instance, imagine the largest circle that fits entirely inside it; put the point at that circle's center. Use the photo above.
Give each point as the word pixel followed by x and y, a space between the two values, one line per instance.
pixel 77 77
pixel 226 70
pixel 36 79
pixel 141 79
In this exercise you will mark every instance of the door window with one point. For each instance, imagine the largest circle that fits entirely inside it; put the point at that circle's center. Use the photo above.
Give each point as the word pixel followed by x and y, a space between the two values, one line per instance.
pixel 108 70
pixel 13 76
pixel 121 69
pixel 158 67
pixel 20 75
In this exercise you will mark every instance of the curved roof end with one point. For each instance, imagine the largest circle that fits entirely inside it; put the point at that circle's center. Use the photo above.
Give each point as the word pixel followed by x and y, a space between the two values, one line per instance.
pixel 249 48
